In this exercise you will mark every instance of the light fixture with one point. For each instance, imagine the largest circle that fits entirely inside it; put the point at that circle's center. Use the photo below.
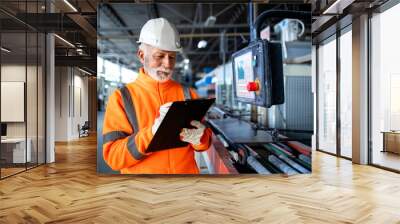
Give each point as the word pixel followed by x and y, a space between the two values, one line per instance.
pixel 86 72
pixel 335 7
pixel 78 44
pixel 5 50
pixel 70 5
pixel 186 61
pixel 210 21
pixel 186 67
pixel 202 44
pixel 64 40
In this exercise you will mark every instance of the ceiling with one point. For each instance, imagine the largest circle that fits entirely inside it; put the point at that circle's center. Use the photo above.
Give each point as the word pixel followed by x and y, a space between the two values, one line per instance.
pixel 118 25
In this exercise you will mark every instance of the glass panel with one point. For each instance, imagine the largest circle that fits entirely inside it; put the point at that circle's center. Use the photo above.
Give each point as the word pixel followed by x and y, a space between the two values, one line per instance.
pixel 31 100
pixel 41 99
pixel 13 72
pixel 41 42
pixel 32 86
pixel 385 87
pixel 22 77
pixel 13 90
pixel 327 96
pixel 346 94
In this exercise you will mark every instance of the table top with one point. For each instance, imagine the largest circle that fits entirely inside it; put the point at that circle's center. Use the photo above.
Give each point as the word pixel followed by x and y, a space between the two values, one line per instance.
pixel 13 140
pixel 391 132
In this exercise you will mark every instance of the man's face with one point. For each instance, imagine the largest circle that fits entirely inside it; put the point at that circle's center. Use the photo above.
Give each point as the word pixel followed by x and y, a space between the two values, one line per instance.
pixel 159 64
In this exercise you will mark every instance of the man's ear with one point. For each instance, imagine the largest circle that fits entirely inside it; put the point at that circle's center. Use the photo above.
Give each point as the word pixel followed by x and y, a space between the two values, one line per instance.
pixel 140 55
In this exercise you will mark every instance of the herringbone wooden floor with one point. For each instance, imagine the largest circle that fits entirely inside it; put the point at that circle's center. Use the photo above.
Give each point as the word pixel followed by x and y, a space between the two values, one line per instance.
pixel 70 191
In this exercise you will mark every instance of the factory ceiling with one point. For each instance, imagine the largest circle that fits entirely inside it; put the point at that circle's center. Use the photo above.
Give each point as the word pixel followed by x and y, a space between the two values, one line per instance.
pixel 224 26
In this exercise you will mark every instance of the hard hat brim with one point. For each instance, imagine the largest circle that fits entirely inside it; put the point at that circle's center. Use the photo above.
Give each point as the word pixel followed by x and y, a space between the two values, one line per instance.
pixel 179 50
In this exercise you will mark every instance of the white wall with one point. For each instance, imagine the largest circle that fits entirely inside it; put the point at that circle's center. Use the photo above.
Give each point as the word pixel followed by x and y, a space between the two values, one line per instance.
pixel 61 103
pixel 33 127
pixel 80 100
pixel 71 94
pixel 12 73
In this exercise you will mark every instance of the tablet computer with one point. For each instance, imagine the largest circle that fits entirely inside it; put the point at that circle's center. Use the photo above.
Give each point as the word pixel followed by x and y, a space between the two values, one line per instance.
pixel 179 116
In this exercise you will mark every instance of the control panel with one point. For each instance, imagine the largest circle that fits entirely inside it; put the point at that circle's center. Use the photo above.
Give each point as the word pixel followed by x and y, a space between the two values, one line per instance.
pixel 258 74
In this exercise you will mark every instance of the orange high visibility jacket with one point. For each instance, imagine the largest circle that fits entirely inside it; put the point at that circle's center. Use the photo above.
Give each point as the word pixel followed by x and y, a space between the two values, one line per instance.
pixel 128 119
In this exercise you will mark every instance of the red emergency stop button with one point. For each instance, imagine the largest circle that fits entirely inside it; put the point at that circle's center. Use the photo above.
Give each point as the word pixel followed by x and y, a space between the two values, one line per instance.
pixel 252 86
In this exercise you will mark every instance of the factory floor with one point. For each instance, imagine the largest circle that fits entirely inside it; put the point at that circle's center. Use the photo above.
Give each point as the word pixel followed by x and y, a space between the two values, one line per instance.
pixel 71 191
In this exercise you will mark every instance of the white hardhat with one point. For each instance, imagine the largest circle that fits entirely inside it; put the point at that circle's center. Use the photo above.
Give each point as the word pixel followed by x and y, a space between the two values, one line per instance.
pixel 161 34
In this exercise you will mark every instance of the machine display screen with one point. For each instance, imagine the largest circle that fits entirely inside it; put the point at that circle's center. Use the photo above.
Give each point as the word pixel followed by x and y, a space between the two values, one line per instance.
pixel 244 73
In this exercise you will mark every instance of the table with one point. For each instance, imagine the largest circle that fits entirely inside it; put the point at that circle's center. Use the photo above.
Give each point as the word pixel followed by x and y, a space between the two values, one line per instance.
pixel 13 150
pixel 391 141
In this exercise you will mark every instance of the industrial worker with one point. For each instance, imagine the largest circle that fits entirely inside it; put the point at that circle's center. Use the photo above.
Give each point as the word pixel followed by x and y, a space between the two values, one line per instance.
pixel 135 112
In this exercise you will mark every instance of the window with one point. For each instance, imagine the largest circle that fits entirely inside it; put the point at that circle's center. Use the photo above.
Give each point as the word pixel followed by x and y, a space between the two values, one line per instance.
pixel 327 96
pixel 22 75
pixel 346 93
pixel 385 88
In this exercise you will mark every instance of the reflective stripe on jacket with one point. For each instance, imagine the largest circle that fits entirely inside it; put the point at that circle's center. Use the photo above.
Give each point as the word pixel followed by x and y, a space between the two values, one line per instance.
pixel 128 119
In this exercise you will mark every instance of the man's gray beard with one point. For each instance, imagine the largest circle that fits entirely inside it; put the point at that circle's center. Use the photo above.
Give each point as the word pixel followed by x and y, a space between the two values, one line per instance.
pixel 155 74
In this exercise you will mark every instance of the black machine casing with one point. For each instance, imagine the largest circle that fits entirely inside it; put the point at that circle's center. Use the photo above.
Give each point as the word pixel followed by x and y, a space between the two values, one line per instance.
pixel 268 69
